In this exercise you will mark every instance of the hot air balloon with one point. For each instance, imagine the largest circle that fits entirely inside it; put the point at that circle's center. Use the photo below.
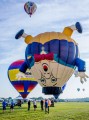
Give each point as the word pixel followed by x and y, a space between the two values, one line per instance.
pixel 30 8
pixel 25 85
pixel 52 58
pixel 78 89
pixel 83 89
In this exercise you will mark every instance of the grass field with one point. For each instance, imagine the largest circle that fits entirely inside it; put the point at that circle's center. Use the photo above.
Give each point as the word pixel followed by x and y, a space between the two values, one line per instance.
pixel 61 111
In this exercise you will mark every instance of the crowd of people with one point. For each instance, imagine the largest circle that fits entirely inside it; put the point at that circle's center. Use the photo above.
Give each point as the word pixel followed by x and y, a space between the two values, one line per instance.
pixel 45 104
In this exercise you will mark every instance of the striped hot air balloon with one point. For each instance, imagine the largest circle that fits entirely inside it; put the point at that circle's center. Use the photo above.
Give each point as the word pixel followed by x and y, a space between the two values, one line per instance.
pixel 25 85
pixel 30 8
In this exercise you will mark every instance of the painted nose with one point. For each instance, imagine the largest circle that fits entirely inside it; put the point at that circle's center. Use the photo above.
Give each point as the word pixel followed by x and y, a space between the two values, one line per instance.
pixel 45 68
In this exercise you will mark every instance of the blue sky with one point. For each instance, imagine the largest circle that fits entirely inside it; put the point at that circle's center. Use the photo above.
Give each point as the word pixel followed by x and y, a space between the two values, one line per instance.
pixel 51 15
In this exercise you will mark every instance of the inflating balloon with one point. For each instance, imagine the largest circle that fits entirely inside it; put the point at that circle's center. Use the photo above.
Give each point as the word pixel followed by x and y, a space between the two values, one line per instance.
pixel 30 8
pixel 25 85
pixel 52 58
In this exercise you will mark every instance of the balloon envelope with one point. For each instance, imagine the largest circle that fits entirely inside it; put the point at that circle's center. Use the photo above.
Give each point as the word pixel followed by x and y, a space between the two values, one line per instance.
pixel 51 59
pixel 83 89
pixel 30 7
pixel 25 85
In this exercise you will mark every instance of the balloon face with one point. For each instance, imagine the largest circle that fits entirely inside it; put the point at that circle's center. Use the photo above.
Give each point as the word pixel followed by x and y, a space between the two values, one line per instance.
pixel 30 7
pixel 25 85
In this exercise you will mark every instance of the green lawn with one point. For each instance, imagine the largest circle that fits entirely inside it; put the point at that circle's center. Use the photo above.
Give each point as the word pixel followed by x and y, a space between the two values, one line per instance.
pixel 61 111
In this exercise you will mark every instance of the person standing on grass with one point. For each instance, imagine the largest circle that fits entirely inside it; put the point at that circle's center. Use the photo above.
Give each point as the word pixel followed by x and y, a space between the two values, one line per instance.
pixel 34 105
pixel 20 103
pixel 46 105
pixel 12 106
pixel 41 103
pixel 29 104
pixel 49 103
pixel 4 105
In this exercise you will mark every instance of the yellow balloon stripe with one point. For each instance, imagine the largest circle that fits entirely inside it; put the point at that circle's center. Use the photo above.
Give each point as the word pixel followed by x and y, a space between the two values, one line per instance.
pixel 20 90
pixel 29 90
pixel 12 76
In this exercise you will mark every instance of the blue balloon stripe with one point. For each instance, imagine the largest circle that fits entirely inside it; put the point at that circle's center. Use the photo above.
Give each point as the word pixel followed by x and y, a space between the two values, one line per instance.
pixel 63 50
pixel 14 67
pixel 47 47
pixel 54 46
pixel 71 53
pixel 24 82
pixel 76 47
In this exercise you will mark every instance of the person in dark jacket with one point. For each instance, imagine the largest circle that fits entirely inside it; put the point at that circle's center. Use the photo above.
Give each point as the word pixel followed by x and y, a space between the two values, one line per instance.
pixel 12 106
pixel 29 104
pixel 4 105
pixel 41 103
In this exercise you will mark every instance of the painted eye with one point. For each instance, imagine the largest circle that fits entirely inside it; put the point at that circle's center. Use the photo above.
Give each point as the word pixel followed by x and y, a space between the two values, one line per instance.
pixel 53 79
pixel 28 73
pixel 43 80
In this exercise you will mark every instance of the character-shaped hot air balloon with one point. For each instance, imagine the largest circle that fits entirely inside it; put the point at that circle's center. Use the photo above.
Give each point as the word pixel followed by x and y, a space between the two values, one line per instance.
pixel 52 58
pixel 25 85
pixel 30 8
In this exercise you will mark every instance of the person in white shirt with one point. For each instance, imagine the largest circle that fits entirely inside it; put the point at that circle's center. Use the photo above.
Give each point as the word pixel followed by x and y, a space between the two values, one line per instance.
pixel 34 105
